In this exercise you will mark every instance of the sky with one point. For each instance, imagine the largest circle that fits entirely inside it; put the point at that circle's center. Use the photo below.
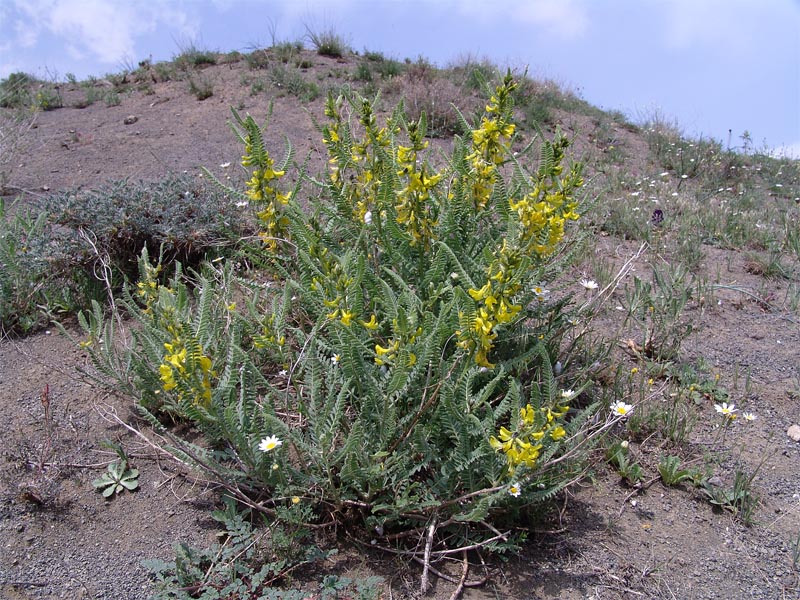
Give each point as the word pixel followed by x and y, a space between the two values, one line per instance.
pixel 716 68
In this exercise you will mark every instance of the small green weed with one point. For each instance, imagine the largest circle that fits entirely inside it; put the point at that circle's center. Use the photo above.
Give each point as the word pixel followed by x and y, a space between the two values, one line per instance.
pixel 202 88
pixel 676 421
pixel 251 564
pixel 739 499
pixel 117 478
pixel 292 82
pixel 257 59
pixel 286 51
pixel 670 471
pixel 618 457
pixel 327 42
pixel 165 71
pixel 48 98
pixel 30 278
pixel 193 57
pixel 111 98
pixel 92 95
pixel 475 74
pixel 657 309
pixel 180 217
pixel 257 86
pixel 363 72
pixel 16 90
pixel 770 266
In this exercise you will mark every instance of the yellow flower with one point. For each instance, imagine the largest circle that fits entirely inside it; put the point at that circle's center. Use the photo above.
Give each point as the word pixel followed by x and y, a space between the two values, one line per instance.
pixel 557 433
pixel 205 363
pixel 347 317
pixel 527 414
pixel 480 294
pixel 381 351
pixel 505 441
pixel 167 377
pixel 177 360
pixel 372 324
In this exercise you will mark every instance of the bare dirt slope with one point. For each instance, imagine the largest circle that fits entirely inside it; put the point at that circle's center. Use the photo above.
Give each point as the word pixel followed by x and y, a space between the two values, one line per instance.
pixel 61 539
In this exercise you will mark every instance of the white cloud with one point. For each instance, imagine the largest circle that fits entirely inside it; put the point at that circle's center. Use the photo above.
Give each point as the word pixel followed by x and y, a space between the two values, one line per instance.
pixel 103 30
pixel 25 36
pixel 724 24
pixel 566 19
pixel 94 26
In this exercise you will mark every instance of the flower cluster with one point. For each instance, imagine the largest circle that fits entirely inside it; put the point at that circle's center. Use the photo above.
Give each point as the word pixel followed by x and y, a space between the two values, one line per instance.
pixel 490 143
pixel 360 192
pixel 535 428
pixel 185 367
pixel 262 193
pixel 543 213
pixel 412 206
pixel 269 337
pixel 538 220
pixel 147 287
pixel 496 305
pixel 333 286
pixel 398 345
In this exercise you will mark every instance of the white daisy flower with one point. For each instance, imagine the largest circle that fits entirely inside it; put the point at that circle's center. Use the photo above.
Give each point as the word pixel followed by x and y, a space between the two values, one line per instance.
pixel 269 443
pixel 726 410
pixel 541 292
pixel 621 409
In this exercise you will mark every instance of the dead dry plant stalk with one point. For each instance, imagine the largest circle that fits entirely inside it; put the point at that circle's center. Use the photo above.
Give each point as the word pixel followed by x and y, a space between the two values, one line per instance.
pixel 102 272
pixel 603 295
pixel 423 587
pixel 14 125
pixel 47 447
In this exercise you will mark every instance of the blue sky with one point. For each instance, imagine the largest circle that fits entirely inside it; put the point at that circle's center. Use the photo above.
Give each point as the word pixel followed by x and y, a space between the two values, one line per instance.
pixel 710 65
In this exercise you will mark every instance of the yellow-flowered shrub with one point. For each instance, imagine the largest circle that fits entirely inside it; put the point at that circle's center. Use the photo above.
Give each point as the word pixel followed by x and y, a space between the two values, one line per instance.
pixel 401 371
